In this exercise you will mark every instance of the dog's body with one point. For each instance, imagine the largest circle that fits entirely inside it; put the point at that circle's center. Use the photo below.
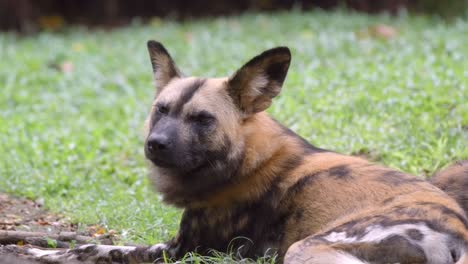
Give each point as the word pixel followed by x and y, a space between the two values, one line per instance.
pixel 250 185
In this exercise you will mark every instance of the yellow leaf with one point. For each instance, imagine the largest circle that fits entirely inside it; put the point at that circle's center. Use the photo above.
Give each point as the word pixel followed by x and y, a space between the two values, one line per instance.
pixel 51 22
pixel 77 47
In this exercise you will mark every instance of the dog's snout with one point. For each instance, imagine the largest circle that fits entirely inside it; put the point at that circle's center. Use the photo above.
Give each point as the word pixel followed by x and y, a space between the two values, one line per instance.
pixel 158 142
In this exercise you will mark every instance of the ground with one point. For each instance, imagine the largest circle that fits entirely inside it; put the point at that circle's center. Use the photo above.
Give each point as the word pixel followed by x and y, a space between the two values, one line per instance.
pixel 21 214
pixel 73 102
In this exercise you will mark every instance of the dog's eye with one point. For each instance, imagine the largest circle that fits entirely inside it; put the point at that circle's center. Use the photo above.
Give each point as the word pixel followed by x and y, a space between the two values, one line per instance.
pixel 162 109
pixel 203 118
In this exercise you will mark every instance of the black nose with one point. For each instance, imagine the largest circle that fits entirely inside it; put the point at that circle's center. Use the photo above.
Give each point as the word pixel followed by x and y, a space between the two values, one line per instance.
pixel 157 142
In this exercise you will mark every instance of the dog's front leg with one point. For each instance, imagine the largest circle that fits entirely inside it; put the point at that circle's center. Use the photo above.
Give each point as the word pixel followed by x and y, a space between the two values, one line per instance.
pixel 91 254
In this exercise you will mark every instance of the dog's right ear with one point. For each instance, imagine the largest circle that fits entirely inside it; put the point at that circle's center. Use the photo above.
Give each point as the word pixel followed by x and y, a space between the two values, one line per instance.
pixel 164 68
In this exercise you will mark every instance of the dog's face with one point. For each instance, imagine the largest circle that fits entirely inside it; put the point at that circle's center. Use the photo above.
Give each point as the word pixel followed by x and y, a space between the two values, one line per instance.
pixel 195 127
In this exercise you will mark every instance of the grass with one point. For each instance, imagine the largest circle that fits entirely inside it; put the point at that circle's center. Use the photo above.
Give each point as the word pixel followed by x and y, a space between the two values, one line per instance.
pixel 75 138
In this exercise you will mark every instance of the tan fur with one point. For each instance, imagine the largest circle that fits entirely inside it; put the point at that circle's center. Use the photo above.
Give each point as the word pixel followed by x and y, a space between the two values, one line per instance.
pixel 454 181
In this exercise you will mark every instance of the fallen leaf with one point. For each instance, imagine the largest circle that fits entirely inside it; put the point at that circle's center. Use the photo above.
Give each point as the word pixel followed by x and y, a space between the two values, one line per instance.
pixel 308 34
pixel 378 31
pixel 7 222
pixel 384 31
pixel 155 21
pixel 77 47
pixel 42 222
pixel 96 230
pixel 39 201
pixel 55 223
pixel 100 231
pixel 13 216
pixel 66 67
pixel 188 36
pixel 51 22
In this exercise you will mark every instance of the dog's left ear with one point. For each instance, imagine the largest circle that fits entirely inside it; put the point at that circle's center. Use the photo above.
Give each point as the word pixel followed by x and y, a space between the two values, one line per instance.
pixel 256 83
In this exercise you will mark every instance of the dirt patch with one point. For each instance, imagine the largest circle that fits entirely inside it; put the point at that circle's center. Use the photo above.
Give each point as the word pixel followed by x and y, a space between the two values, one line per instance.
pixel 24 221
pixel 25 224
pixel 21 214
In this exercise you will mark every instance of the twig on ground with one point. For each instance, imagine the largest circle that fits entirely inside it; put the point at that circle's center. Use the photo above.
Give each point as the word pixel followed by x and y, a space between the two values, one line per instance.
pixel 61 240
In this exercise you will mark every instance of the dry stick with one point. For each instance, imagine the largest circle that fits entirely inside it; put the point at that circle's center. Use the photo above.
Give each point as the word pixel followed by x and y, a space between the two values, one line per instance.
pixel 47 243
pixel 38 238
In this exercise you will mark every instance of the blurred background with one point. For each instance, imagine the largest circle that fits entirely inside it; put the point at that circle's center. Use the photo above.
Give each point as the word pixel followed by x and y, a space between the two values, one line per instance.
pixel 28 16
pixel 386 80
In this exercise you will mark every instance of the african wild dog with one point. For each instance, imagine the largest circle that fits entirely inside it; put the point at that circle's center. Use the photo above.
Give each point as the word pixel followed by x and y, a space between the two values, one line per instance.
pixel 239 173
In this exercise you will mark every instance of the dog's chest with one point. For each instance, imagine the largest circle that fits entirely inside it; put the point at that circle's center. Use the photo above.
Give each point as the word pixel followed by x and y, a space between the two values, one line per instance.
pixel 249 230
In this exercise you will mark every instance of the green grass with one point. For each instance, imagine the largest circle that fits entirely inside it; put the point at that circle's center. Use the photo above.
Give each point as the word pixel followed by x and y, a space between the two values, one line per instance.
pixel 76 139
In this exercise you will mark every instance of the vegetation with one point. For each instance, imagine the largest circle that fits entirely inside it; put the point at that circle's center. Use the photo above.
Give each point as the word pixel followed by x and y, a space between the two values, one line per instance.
pixel 72 104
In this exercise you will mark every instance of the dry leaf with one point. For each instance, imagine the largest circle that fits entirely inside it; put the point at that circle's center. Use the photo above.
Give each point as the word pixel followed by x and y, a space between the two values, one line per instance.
pixel 51 22
pixel 42 222
pixel 101 231
pixel 384 31
pixel 66 67
pixel 155 21
pixel 378 31
pixel 77 47
pixel 188 36
pixel 96 230
pixel 55 223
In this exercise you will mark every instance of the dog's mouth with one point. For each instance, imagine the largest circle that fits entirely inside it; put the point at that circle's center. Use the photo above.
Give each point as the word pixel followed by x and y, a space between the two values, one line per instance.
pixel 201 166
pixel 162 163
pixel 159 160
pixel 178 167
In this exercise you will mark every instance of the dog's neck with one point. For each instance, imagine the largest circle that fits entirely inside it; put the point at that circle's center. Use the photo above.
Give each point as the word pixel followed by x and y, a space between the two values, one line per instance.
pixel 268 152
pixel 265 141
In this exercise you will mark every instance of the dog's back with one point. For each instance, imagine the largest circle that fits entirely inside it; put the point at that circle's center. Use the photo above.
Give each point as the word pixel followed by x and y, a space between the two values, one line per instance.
pixel 454 181
pixel 404 220
pixel 376 215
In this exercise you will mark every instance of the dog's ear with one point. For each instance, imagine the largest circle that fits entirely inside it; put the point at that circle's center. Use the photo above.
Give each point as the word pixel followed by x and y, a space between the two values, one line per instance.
pixel 164 68
pixel 256 83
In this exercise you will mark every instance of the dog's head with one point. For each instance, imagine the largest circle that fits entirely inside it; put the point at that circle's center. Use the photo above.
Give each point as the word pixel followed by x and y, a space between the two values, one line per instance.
pixel 195 128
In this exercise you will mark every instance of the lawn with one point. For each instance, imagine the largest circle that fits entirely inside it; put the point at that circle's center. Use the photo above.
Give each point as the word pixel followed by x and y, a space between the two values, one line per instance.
pixel 73 103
